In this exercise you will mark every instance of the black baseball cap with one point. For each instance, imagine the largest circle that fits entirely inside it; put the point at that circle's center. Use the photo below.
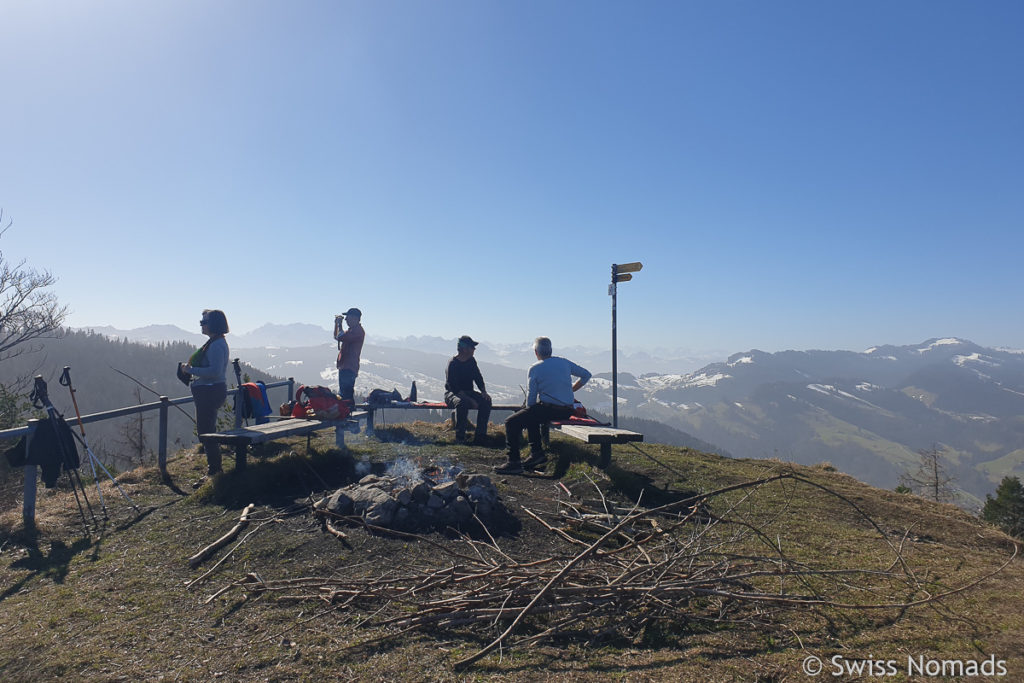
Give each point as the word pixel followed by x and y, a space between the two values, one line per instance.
pixel 466 340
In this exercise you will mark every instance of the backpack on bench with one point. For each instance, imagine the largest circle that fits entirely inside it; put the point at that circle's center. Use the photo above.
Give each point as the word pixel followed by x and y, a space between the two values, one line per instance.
pixel 320 404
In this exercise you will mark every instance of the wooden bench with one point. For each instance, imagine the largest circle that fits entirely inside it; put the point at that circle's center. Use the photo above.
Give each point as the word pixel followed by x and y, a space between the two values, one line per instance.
pixel 601 435
pixel 243 437
pixel 370 409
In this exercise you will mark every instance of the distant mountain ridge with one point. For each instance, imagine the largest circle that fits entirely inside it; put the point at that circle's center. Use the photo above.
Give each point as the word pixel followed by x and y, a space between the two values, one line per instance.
pixel 519 355
pixel 868 413
pixel 270 334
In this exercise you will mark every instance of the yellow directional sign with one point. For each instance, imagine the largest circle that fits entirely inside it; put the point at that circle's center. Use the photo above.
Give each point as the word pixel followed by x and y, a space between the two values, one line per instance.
pixel 629 267
pixel 623 277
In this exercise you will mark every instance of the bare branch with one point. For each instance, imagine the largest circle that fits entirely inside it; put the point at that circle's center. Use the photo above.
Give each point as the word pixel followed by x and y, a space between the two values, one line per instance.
pixel 28 309
pixel 620 571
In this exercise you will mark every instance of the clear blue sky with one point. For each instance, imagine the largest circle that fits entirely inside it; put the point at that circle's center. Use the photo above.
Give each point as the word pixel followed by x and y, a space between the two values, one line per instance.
pixel 791 174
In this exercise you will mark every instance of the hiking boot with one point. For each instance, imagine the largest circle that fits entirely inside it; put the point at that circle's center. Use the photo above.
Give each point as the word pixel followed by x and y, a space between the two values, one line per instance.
pixel 511 467
pixel 536 462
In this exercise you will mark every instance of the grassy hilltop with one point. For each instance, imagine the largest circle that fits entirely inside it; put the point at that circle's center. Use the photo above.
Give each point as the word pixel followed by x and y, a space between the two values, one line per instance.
pixel 758 566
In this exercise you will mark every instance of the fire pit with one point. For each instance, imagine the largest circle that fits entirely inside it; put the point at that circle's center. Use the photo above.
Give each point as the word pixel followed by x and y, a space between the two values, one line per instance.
pixel 408 498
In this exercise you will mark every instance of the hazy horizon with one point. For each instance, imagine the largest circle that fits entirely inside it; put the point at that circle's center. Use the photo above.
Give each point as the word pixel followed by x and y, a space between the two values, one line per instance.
pixel 595 345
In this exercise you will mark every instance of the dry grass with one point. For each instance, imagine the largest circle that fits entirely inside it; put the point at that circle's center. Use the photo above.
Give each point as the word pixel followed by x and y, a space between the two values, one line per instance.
pixel 124 604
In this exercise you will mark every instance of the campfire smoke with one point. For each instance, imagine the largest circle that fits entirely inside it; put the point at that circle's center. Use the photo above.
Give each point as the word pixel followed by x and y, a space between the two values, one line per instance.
pixel 363 467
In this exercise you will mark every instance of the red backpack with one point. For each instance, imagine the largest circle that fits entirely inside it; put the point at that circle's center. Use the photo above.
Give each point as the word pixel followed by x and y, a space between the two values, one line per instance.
pixel 320 404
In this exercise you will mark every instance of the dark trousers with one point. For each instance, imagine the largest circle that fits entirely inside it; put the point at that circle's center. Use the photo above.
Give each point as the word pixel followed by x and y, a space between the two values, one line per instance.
pixel 347 384
pixel 462 408
pixel 531 419
pixel 208 399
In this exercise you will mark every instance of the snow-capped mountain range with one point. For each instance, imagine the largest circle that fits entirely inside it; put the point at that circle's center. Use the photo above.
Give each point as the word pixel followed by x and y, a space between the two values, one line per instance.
pixel 515 355
pixel 867 413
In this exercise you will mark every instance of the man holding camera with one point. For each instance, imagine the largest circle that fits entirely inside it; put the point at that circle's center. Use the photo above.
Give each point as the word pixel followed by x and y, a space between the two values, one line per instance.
pixel 350 345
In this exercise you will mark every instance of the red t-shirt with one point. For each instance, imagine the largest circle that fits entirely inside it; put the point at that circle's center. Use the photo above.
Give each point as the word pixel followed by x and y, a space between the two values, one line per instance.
pixel 351 347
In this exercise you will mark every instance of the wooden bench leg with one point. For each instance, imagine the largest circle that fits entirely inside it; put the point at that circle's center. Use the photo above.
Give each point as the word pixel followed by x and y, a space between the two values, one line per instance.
pixel 339 437
pixel 606 456
pixel 240 457
pixel 369 423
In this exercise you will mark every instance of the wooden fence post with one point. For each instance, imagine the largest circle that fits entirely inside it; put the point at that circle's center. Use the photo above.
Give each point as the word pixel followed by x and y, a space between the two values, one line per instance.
pixel 28 508
pixel 161 457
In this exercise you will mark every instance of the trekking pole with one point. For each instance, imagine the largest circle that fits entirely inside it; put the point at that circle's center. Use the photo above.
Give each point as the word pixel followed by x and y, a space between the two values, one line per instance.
pixel 40 399
pixel 65 380
pixel 239 398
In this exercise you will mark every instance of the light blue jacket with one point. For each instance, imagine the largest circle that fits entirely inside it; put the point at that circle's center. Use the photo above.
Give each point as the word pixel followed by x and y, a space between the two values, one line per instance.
pixel 551 381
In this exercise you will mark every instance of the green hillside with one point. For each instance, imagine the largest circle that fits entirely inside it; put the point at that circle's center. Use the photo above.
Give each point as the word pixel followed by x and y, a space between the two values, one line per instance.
pixel 726 570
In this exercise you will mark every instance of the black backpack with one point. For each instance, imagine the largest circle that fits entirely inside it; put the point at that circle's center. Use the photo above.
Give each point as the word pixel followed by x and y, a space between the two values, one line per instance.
pixel 380 397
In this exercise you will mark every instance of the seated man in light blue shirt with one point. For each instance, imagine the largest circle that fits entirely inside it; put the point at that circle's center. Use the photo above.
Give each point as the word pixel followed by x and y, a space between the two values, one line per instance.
pixel 550 397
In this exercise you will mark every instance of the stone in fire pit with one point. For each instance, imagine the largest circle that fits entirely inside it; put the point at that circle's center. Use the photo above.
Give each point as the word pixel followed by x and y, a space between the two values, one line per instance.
pixel 406 498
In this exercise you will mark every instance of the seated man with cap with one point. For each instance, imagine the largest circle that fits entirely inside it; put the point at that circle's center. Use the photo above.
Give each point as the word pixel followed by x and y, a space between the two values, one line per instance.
pixel 459 377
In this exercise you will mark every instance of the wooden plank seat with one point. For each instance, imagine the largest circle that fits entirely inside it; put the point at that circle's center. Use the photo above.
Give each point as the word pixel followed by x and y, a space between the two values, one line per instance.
pixel 601 435
pixel 371 408
pixel 591 432
pixel 243 437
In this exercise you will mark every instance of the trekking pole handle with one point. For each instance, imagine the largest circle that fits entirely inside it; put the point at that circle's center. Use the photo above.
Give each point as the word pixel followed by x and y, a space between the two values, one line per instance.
pixel 38 396
pixel 65 381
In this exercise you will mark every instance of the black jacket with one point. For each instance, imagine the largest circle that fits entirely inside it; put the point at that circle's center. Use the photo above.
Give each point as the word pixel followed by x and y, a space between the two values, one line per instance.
pixel 50 448
pixel 460 375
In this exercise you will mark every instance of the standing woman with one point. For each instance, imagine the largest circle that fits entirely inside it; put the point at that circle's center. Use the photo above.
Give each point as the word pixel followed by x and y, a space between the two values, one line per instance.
pixel 208 367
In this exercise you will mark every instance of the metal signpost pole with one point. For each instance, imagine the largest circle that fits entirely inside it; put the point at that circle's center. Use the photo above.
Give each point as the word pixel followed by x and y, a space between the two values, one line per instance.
pixel 620 273
pixel 615 351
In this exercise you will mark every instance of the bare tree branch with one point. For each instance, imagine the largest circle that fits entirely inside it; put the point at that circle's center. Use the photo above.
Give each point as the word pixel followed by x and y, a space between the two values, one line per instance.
pixel 930 479
pixel 622 571
pixel 28 310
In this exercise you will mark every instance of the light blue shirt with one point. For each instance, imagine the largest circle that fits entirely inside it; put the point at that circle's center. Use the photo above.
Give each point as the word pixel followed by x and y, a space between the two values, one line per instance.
pixel 551 381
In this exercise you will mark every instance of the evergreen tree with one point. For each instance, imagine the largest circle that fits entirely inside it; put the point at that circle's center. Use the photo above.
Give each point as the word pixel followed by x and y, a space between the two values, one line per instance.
pixel 1006 510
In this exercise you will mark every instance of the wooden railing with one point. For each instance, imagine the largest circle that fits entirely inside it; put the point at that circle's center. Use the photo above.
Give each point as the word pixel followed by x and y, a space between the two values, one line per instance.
pixel 163 406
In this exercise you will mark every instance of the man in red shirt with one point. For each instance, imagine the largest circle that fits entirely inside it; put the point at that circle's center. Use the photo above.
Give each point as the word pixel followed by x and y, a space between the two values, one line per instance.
pixel 350 345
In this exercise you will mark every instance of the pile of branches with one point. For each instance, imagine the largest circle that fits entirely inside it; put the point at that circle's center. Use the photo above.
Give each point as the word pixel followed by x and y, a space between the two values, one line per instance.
pixel 626 570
